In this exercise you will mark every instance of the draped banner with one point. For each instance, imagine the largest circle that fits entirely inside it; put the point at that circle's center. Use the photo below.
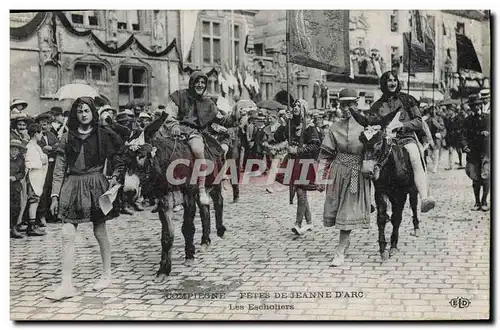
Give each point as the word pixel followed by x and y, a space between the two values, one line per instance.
pixel 319 39
pixel 189 20
pixel 466 54
pixel 67 25
pixel 422 46
pixel 30 28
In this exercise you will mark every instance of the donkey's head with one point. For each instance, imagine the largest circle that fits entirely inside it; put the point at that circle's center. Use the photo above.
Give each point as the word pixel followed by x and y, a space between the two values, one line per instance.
pixel 378 146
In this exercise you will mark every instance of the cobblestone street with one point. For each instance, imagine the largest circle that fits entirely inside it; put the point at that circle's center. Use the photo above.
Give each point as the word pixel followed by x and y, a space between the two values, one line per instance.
pixel 260 255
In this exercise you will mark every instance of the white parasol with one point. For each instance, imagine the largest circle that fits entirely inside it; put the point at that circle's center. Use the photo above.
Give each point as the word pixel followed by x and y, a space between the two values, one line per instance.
pixel 74 91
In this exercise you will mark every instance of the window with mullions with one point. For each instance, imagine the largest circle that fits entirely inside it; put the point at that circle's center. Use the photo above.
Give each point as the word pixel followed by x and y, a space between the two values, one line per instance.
pixel 211 42
pixel 90 72
pixel 236 44
pixel 132 84
pixel 88 17
pixel 128 20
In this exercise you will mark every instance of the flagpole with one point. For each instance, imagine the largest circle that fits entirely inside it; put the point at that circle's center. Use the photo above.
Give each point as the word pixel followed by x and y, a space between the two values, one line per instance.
pixel 409 53
pixel 233 60
pixel 291 191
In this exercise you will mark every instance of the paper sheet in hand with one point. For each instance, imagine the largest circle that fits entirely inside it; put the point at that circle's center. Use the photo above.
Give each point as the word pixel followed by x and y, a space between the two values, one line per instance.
pixel 107 199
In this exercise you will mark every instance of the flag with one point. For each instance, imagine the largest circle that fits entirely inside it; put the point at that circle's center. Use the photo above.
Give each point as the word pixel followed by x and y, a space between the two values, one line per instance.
pixel 189 20
pixel 466 54
pixel 420 49
pixel 417 30
pixel 319 39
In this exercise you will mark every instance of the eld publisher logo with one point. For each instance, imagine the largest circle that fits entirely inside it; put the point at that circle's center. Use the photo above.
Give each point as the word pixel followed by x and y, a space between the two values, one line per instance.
pixel 460 302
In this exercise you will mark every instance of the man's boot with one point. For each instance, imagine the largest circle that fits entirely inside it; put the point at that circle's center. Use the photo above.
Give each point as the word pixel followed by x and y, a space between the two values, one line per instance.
pixel 34 230
pixel 15 234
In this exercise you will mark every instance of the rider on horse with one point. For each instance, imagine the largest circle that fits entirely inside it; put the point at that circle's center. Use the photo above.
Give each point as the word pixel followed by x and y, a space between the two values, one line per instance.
pixel 410 122
pixel 193 112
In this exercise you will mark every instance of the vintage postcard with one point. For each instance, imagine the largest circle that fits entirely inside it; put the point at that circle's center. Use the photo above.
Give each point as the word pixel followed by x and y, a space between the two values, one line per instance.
pixel 250 165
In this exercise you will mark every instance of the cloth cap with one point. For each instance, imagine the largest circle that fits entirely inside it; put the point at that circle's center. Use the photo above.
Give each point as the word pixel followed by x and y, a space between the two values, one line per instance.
pixel 122 116
pixel 348 94
pixel 56 111
pixel 43 116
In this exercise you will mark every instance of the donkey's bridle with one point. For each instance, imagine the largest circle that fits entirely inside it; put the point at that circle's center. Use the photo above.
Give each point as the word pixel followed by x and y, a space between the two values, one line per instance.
pixel 381 162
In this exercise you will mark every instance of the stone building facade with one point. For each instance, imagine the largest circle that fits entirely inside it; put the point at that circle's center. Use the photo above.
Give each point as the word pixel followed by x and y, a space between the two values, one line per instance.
pixel 125 55
pixel 374 34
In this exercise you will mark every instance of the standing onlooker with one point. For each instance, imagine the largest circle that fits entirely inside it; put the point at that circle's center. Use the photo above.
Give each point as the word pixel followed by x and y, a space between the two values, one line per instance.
pixel 476 144
pixel 36 164
pixel 49 144
pixel 453 123
pixel 438 130
pixel 17 175
pixel 324 94
pixel 316 93
pixel 19 127
pixel 59 122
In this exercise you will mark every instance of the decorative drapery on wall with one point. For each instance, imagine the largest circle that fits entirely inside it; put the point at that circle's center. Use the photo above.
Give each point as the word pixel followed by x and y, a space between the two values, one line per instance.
pixel 319 39
pixel 119 49
pixel 30 28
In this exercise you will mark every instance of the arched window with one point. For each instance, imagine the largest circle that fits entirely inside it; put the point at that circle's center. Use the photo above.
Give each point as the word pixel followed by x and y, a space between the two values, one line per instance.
pixel 133 84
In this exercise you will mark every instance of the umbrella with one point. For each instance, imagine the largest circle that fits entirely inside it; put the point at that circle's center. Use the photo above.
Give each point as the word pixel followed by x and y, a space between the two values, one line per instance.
pixel 270 105
pixel 74 91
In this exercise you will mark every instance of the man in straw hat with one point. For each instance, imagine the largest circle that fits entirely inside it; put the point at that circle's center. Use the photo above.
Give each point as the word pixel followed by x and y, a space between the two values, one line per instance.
pixel 477 146
pixel 485 96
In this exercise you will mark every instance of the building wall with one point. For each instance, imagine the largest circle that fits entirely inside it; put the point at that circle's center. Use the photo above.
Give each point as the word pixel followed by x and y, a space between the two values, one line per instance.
pixel 27 79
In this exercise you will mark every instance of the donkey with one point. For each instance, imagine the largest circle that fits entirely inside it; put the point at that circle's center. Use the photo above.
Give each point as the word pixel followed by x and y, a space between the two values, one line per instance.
pixel 388 165
pixel 154 157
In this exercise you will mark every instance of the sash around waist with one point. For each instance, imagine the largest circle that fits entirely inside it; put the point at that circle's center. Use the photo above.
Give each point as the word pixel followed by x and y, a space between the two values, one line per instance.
pixel 351 161
pixel 92 170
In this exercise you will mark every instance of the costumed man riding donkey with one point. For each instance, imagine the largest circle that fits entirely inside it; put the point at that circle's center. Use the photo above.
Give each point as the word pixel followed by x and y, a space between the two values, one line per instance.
pixel 188 115
pixel 407 122
pixel 192 113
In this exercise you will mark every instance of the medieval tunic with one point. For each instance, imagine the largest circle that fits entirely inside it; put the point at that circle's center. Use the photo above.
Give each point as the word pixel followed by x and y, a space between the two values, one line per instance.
pixel 78 175
pixel 309 151
pixel 347 202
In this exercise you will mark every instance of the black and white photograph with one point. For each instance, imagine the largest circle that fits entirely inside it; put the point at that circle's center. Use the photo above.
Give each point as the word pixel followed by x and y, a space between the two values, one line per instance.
pixel 250 165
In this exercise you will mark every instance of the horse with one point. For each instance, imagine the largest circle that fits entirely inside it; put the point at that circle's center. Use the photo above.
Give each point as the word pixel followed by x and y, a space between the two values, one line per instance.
pixel 155 155
pixel 387 163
